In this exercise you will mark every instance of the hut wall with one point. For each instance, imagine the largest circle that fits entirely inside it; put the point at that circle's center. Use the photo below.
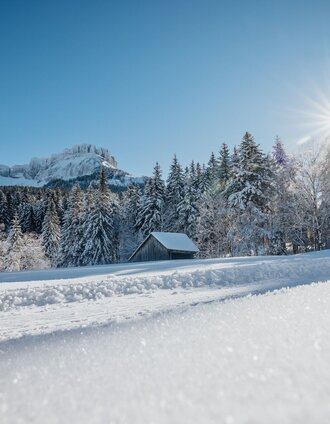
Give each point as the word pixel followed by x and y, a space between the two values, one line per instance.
pixel 181 255
pixel 151 250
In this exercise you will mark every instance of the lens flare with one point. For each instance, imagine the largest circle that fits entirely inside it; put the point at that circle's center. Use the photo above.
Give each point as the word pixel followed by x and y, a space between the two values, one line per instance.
pixel 315 119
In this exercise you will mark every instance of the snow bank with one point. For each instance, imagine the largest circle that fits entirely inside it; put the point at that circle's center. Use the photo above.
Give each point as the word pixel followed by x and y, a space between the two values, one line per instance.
pixel 265 272
pixel 258 359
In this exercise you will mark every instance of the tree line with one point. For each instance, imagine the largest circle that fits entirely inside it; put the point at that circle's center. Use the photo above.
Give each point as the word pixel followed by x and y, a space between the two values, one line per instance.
pixel 244 202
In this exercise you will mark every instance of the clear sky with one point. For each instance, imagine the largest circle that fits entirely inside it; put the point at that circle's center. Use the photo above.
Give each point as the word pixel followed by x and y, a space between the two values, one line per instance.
pixel 148 79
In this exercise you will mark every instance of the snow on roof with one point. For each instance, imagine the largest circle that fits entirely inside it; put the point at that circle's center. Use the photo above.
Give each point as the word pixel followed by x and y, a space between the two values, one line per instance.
pixel 175 241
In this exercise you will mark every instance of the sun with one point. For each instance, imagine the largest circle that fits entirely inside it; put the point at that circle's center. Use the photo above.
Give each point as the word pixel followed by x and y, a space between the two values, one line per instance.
pixel 315 118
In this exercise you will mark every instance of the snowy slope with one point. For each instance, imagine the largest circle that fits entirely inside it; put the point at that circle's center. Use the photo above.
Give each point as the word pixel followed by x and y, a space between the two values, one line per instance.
pixel 256 359
pixel 35 302
pixel 22 182
pixel 73 166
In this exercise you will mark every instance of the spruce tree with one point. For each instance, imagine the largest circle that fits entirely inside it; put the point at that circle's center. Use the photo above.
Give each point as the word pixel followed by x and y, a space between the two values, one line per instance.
pixel 152 204
pixel 251 179
pixel 51 231
pixel 130 235
pixel 188 207
pixel 14 246
pixel 2 247
pixel 279 155
pixel 70 243
pixel 224 166
pixel 248 194
pixel 4 218
pixel 100 227
pixel 213 225
pixel 212 170
pixel 173 196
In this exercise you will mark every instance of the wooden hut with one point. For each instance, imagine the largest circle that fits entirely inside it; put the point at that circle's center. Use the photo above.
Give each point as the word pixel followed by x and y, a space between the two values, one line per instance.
pixel 164 246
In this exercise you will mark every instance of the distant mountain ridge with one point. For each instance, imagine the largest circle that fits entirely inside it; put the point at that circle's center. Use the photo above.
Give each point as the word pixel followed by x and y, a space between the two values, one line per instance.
pixel 80 163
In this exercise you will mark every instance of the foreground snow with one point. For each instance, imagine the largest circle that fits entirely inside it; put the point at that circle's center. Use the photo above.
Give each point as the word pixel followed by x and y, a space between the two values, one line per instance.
pixel 168 342
pixel 256 359
pixel 100 295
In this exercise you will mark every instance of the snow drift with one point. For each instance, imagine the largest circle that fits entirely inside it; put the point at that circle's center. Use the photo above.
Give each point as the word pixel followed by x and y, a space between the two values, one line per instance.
pixel 258 359
pixel 269 272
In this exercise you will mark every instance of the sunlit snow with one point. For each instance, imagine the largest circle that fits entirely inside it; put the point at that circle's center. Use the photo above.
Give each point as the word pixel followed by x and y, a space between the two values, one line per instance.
pixel 206 352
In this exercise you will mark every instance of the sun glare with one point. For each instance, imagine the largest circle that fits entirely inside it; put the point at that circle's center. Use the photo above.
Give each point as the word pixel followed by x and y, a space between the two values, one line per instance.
pixel 315 118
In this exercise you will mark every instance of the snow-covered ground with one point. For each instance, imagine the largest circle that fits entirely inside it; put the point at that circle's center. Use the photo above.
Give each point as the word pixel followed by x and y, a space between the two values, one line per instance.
pixel 35 302
pixel 132 348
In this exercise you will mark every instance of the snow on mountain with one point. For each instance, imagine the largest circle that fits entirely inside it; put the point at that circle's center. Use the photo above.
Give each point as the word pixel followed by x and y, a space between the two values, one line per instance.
pixel 79 161
pixel 72 163
pixel 21 182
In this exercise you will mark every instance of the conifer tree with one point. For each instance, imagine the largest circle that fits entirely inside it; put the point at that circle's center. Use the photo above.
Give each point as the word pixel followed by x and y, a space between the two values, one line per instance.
pixel 40 208
pixel 2 247
pixel 152 204
pixel 251 180
pixel 188 207
pixel 14 246
pixel 11 210
pixel 214 226
pixel 70 243
pixel 51 231
pixel 100 227
pixel 4 218
pixel 130 235
pixel 213 170
pixel 224 166
pixel 248 194
pixel 173 196
pixel 279 155
pixel 282 214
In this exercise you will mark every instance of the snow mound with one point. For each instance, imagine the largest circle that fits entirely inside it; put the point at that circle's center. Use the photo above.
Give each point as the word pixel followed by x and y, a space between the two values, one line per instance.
pixel 270 273
pixel 259 359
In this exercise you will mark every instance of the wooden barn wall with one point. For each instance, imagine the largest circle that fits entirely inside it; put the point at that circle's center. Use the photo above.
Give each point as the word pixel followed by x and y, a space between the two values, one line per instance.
pixel 151 250
pixel 181 255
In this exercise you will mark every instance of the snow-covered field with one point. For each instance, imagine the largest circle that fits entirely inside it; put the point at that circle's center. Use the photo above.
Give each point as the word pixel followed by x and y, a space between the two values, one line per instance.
pixel 170 342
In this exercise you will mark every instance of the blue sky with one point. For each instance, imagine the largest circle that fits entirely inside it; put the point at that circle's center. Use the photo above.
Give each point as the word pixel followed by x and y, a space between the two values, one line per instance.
pixel 148 79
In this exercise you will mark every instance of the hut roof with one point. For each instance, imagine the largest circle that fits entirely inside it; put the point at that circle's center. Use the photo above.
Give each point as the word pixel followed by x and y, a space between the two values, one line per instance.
pixel 176 241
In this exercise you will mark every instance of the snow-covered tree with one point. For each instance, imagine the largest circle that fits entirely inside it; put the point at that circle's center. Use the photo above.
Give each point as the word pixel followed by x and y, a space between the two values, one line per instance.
pixel 4 218
pixel 213 225
pixel 152 204
pixel 224 166
pixel 130 236
pixel 33 255
pixel 70 243
pixel 100 227
pixel 279 155
pixel 173 196
pixel 212 170
pixel 51 231
pixel 310 187
pixel 40 208
pixel 2 246
pixel 14 246
pixel 282 226
pixel 248 193
pixel 188 207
